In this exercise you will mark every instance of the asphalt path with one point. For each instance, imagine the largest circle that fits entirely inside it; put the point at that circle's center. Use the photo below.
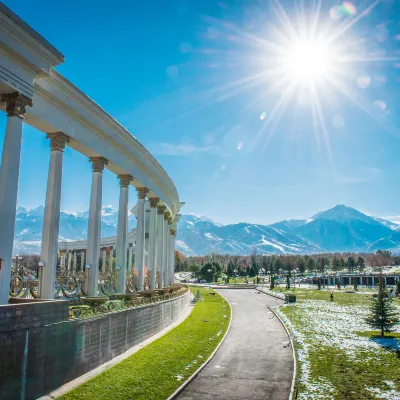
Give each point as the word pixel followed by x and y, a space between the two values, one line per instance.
pixel 254 362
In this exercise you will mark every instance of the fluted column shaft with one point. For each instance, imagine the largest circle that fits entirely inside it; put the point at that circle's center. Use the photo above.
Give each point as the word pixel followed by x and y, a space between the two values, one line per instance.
pixel 172 256
pixel 51 222
pixel 153 242
pixel 140 232
pixel 122 232
pixel 74 264
pixel 166 250
pixel 94 227
pixel 130 256
pixel 160 244
pixel 9 176
pixel 82 260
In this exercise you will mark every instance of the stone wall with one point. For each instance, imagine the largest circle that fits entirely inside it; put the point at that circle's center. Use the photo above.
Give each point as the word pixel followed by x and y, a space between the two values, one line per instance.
pixel 47 350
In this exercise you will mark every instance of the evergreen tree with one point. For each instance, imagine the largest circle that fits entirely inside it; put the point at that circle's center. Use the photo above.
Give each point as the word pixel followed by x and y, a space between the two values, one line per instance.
pixel 342 264
pixel 336 264
pixel 360 264
pixel 310 264
pixel 272 285
pixel 288 282
pixel 351 264
pixel 383 315
pixel 301 266
pixel 230 271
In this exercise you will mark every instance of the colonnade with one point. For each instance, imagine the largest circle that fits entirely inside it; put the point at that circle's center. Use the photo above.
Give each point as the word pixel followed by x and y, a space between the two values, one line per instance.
pixel 161 228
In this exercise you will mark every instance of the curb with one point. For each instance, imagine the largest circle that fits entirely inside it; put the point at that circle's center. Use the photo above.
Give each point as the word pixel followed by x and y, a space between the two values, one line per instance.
pixel 195 373
pixel 293 388
pixel 269 294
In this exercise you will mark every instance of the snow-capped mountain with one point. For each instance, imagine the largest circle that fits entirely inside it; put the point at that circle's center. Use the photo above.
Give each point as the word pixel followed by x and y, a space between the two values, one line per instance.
pixel 339 229
pixel 73 226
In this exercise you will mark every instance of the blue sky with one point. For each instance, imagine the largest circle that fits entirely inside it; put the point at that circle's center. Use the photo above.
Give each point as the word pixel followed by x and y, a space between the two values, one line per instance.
pixel 195 82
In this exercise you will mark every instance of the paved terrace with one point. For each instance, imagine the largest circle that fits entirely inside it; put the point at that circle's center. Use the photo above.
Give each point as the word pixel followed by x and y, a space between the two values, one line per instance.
pixel 254 362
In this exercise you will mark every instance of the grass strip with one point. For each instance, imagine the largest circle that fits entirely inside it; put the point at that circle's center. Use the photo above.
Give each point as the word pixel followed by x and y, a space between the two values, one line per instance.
pixel 158 369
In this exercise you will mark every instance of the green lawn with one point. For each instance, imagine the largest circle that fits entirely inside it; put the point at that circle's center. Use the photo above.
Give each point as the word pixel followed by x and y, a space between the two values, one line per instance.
pixel 340 357
pixel 158 369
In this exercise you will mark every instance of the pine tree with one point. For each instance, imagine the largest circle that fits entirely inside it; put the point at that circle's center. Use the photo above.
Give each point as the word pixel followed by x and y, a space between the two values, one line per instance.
pixel 383 315
pixel 272 285
pixel 360 264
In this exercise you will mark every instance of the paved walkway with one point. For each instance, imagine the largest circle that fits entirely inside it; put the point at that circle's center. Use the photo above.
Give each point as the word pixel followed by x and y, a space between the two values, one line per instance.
pixel 253 362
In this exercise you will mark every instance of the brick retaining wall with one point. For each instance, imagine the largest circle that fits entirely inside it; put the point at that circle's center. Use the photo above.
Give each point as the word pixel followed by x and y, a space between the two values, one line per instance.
pixel 59 350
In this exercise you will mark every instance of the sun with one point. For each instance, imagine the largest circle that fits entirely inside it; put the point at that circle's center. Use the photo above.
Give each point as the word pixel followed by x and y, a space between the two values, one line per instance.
pixel 308 61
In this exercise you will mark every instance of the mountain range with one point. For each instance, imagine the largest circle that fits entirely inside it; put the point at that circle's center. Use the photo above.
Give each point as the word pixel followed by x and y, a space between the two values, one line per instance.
pixel 339 229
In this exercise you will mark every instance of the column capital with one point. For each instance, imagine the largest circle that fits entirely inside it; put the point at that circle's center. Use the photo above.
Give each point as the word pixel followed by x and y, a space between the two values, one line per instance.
pixel 98 163
pixel 166 216
pixel 169 219
pixel 57 141
pixel 16 104
pixel 142 192
pixel 154 201
pixel 161 210
pixel 125 180
pixel 173 232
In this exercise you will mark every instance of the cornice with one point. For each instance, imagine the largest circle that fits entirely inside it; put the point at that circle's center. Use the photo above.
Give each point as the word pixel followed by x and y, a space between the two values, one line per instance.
pixel 20 31
pixel 142 158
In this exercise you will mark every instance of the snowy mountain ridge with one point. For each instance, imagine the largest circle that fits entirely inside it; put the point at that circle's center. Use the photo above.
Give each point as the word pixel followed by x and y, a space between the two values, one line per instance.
pixel 340 229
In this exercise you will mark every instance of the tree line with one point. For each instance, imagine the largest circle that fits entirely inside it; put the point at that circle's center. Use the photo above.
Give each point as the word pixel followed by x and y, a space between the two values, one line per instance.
pixel 212 266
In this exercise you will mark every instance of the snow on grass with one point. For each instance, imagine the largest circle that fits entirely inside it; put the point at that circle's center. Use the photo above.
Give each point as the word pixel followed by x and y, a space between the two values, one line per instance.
pixel 329 348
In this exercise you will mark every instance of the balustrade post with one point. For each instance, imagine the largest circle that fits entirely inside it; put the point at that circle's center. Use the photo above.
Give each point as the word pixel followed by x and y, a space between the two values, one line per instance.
pixel 51 222
pixel 140 232
pixel 9 176
pixel 153 242
pixel 94 227
pixel 122 232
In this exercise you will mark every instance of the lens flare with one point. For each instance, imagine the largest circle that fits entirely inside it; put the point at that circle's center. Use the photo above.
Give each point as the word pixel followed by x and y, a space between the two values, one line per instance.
pixel 363 81
pixel 346 9
pixel 263 116
pixel 380 104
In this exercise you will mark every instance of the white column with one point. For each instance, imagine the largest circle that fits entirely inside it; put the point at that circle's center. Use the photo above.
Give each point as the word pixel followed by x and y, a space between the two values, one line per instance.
pixel 166 250
pixel 122 232
pixel 74 265
pixel 94 227
pixel 69 260
pixel 172 255
pixel 82 260
pixel 139 249
pixel 9 176
pixel 103 259
pixel 51 223
pixel 130 256
pixel 160 244
pixel 153 242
